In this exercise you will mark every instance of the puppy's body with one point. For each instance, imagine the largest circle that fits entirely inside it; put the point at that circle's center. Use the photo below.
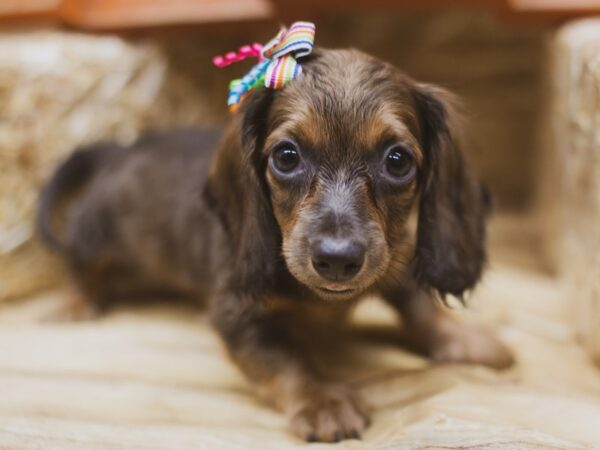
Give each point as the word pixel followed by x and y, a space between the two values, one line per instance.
pixel 297 213
pixel 133 227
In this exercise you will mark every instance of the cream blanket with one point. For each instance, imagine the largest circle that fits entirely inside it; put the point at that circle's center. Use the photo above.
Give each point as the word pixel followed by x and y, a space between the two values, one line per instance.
pixel 157 378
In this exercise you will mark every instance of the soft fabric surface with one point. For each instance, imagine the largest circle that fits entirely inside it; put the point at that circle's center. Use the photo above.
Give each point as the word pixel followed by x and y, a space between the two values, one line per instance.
pixel 157 378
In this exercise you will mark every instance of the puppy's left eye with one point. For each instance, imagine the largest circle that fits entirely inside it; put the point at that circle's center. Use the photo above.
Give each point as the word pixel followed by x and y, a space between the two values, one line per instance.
pixel 399 163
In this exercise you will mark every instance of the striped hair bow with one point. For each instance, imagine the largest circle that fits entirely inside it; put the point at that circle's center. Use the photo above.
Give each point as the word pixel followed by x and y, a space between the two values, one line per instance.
pixel 277 61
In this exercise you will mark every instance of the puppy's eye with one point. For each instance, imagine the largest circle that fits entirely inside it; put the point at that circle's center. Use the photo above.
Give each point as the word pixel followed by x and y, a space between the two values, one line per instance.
pixel 399 163
pixel 285 158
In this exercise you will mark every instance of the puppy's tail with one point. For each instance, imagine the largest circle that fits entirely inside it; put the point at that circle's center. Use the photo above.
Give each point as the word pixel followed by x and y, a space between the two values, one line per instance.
pixel 70 176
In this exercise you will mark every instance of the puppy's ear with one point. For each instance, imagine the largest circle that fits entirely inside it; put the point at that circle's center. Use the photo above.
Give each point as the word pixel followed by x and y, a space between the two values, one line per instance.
pixel 450 251
pixel 238 193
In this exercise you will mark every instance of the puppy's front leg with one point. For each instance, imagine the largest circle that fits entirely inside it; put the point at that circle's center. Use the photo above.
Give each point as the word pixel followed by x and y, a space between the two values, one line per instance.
pixel 442 337
pixel 261 344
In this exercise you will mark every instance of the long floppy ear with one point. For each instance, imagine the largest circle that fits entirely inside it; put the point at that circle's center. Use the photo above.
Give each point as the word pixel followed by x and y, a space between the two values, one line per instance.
pixel 237 192
pixel 450 253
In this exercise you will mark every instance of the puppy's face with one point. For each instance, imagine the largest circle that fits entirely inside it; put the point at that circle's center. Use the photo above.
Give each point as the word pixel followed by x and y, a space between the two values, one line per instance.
pixel 343 156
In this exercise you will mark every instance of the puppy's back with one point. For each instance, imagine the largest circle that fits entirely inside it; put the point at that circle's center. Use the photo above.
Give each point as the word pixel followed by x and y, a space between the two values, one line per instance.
pixel 126 210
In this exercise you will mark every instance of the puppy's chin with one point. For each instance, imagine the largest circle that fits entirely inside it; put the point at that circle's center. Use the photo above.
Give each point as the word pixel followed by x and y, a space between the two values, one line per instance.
pixel 336 295
pixel 326 290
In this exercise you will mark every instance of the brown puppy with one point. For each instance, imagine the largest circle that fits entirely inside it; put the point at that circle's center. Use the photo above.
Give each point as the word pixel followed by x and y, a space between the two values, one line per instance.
pixel 304 211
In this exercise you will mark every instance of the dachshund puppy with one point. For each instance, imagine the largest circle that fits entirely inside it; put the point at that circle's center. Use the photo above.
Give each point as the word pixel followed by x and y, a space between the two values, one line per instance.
pixel 300 212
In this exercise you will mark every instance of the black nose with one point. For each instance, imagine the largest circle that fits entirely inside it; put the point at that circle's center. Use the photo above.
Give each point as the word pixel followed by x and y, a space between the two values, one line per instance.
pixel 337 259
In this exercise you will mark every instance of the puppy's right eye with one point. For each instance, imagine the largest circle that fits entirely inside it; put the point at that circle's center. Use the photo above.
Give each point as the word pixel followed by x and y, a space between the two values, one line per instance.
pixel 285 158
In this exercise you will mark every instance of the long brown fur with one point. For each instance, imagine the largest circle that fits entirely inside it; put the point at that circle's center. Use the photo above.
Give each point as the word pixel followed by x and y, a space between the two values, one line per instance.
pixel 169 214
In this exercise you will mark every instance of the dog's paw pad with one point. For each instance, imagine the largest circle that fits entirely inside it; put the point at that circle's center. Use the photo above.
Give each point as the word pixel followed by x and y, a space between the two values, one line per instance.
pixel 330 415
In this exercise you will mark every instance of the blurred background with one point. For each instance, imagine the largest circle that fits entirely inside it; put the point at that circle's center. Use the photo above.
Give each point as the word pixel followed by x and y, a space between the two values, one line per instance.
pixel 528 71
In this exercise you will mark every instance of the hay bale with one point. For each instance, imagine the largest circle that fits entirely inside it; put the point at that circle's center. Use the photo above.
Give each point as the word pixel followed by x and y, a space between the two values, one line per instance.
pixel 572 176
pixel 59 90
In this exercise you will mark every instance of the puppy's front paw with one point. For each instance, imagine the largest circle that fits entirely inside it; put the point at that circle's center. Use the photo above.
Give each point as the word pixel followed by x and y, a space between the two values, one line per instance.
pixel 461 343
pixel 328 413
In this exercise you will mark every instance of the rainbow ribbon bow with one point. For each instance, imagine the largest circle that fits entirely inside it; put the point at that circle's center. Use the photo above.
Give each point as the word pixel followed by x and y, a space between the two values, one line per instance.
pixel 277 61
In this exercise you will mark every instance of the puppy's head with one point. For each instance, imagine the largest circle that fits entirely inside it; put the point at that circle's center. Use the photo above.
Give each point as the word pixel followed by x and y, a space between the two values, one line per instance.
pixel 340 156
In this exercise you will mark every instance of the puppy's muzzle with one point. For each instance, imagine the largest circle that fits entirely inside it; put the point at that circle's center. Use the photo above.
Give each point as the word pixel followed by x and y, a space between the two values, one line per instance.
pixel 337 259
